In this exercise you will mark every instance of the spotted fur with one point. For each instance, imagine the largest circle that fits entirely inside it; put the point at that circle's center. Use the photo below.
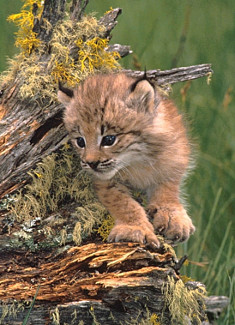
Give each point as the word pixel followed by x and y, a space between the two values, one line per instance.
pixel 125 133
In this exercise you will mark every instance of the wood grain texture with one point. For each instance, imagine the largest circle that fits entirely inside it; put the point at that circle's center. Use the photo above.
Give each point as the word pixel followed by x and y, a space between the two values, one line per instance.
pixel 111 282
pixel 112 279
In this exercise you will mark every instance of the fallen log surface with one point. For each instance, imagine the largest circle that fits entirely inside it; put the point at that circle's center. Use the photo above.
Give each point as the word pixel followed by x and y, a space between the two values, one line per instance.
pixel 84 272
pixel 107 282
pixel 112 283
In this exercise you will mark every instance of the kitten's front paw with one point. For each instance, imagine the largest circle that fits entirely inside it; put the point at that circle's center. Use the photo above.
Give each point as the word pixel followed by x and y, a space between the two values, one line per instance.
pixel 172 222
pixel 143 234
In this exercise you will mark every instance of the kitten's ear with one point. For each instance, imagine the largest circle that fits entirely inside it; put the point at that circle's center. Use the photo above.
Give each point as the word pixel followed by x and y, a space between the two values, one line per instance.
pixel 142 94
pixel 64 94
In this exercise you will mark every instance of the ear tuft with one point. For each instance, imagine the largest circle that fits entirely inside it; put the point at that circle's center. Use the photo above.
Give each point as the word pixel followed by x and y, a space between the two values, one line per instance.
pixel 139 80
pixel 65 94
pixel 142 93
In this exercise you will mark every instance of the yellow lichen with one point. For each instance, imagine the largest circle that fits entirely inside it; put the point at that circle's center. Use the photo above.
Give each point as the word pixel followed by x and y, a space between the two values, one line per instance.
pixel 89 217
pixel 60 72
pixel 77 49
pixel 105 227
pixel 185 278
pixel 108 11
pixel 51 184
pixel 26 39
pixel 88 47
pixel 90 54
pixel 154 319
pixel 55 315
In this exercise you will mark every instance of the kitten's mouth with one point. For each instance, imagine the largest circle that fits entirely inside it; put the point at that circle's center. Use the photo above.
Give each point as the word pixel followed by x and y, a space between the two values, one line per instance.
pixel 104 173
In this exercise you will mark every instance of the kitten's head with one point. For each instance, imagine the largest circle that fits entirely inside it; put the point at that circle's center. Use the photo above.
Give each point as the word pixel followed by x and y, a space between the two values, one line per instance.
pixel 108 118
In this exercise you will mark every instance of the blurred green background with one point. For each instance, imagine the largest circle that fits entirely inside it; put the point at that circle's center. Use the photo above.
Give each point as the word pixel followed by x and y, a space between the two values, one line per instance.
pixel 172 33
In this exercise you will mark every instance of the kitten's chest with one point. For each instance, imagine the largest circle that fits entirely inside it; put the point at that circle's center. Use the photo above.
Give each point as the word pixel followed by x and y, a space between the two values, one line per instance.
pixel 140 176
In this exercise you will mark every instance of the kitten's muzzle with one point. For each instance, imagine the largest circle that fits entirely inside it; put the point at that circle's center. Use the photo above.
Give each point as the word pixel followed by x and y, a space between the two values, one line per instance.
pixel 101 169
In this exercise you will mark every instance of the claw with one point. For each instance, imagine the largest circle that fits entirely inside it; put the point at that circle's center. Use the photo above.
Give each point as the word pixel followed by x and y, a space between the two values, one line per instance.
pixel 161 229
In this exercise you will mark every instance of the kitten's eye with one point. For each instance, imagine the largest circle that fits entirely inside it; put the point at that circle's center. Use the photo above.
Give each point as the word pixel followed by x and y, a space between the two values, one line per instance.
pixel 81 142
pixel 108 140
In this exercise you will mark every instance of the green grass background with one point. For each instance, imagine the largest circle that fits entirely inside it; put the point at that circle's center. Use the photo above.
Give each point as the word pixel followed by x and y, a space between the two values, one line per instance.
pixel 154 28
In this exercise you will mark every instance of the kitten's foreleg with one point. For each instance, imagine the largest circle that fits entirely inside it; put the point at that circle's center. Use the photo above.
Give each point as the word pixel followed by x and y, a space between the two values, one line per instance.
pixel 131 222
pixel 167 214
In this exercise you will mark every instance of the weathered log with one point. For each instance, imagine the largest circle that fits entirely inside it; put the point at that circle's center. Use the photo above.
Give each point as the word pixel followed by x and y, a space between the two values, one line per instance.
pixel 72 313
pixel 83 272
pixel 112 282
pixel 123 50
pixel 215 306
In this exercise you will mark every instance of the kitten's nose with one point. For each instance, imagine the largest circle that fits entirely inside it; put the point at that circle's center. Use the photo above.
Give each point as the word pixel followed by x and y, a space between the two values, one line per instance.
pixel 93 164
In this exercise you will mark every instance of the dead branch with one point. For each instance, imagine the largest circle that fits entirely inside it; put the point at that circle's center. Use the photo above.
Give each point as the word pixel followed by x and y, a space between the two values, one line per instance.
pixel 175 75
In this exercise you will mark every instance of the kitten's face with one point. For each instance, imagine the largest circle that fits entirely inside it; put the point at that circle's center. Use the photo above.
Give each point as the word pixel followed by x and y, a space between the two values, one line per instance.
pixel 106 151
pixel 107 122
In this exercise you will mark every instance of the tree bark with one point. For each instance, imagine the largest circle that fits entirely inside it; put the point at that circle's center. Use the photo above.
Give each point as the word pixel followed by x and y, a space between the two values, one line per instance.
pixel 112 283
pixel 108 282
pixel 175 75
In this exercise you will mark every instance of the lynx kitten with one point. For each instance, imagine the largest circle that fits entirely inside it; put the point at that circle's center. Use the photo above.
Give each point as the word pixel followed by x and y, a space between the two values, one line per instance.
pixel 127 136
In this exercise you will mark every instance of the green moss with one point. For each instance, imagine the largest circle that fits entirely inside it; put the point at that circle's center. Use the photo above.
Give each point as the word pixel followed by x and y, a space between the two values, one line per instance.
pixel 11 310
pixel 58 181
pixel 51 185
pixel 184 304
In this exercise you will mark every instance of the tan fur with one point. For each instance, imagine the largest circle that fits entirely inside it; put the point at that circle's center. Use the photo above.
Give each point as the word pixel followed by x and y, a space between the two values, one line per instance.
pixel 151 152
